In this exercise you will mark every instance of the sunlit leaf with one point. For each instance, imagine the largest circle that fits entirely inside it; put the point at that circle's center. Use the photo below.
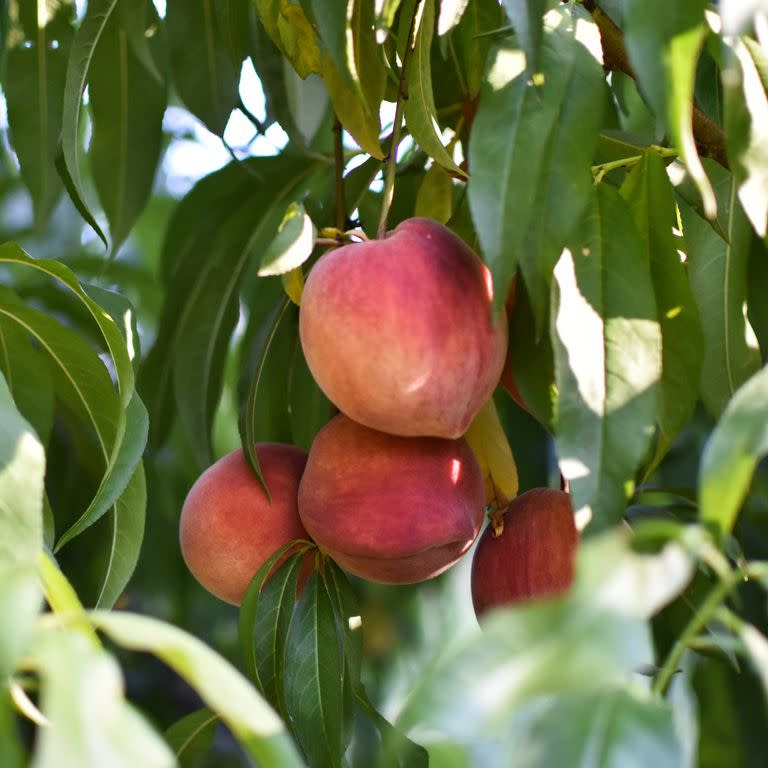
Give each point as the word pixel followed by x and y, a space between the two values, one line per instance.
pixel 292 245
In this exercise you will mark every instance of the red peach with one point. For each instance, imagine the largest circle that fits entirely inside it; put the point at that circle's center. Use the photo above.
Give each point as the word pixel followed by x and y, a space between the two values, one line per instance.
pixel 229 528
pixel 392 509
pixel 399 334
pixel 534 556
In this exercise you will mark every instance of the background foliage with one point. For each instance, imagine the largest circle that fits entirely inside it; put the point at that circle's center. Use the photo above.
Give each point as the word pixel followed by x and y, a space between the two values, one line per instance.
pixel 168 174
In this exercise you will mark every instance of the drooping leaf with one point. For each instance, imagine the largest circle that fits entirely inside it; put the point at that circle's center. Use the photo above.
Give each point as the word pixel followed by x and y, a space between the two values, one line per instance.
pixel 435 198
pixel 545 136
pixel 663 44
pixel 203 73
pixel 33 86
pixel 314 689
pixel 607 345
pixel 739 442
pixel 90 721
pixel 127 104
pixel 420 111
pixel 191 737
pixel 27 378
pixel 717 270
pixel 649 193
pixel 746 128
pixel 219 684
pixel 86 39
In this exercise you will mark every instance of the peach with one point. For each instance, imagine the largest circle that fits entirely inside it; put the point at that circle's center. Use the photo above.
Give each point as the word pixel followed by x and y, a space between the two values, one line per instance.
pixel 534 556
pixel 228 526
pixel 392 509
pixel 399 334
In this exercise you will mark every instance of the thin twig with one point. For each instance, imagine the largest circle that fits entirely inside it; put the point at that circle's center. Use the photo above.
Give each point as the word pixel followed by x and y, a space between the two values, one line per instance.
pixel 389 175
pixel 338 156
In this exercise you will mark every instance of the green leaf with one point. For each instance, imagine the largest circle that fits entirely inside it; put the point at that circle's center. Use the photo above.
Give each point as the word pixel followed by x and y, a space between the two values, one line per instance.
pixel 527 19
pixel 236 21
pixel 648 191
pixel 717 270
pixel 22 468
pixel 27 378
pixel 738 443
pixel 746 128
pixel 757 647
pixel 314 676
pixel 203 73
pixel 80 57
pixel 127 104
pixel 90 722
pixel 34 91
pixel 367 56
pixel 291 31
pixel 191 737
pixel 544 135
pixel 361 122
pixel 333 23
pixel 435 197
pixel 10 253
pixel 11 752
pixel 611 727
pixel 292 245
pixel 309 408
pixel 219 684
pixel 450 15
pixel 384 17
pixel 420 112
pixel 607 345
pixel 472 42
pixel 120 470
pixel 663 43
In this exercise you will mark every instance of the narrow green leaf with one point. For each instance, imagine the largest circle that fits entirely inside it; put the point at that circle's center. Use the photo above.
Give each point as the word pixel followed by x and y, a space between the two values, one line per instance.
pixel 81 55
pixel 236 21
pixel 607 345
pixel 545 135
pixel 420 112
pixel 314 676
pixel 738 443
pixel 527 19
pixel 367 55
pixel 746 128
pixel 127 104
pixel 292 244
pixel 309 408
pixel 435 197
pixel 361 122
pixel 121 468
pixel 472 41
pixel 384 16
pixel 757 647
pixel 12 754
pixel 717 270
pixel 203 73
pixel 11 253
pixel 219 684
pixel 663 42
pixel 34 91
pixel 191 737
pixel 333 23
pixel 648 191
pixel 27 378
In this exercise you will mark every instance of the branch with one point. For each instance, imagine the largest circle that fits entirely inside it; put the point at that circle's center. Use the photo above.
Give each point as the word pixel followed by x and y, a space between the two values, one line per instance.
pixel 707 133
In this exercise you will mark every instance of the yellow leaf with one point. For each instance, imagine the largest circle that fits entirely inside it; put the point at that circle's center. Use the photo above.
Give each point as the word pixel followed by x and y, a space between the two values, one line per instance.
pixel 488 442
pixel 299 41
pixel 293 285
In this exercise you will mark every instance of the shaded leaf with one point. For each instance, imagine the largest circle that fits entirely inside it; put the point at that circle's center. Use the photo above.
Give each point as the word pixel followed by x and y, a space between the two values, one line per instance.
pixel 309 408
pixel 527 19
pixel 220 685
pixel 663 43
pixel 81 54
pixel 33 86
pixel 236 21
pixel 435 197
pixel 191 737
pixel 203 73
pixel 368 61
pixel 649 193
pixel 546 136
pixel 607 345
pixel 738 443
pixel 717 270
pixel 420 111
pixel 127 104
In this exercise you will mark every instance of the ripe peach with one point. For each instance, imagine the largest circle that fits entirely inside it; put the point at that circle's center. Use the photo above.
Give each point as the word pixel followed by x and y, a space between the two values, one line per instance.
pixel 228 527
pixel 392 509
pixel 533 557
pixel 398 332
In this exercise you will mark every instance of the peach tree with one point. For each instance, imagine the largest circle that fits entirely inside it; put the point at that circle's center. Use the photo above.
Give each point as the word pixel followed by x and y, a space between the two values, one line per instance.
pixel 524 243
